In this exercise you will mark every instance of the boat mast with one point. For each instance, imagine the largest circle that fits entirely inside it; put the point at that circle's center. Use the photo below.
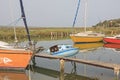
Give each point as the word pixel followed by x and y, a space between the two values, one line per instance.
pixel 85 16
pixel 76 14
pixel 24 20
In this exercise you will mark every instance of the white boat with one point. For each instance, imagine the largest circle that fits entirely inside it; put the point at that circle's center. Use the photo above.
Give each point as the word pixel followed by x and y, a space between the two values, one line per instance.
pixel 62 50
pixel 5 45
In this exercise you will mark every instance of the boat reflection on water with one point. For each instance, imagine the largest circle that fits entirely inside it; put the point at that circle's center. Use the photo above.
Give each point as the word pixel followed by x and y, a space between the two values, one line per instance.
pixel 84 47
pixel 60 74
pixel 116 47
pixel 13 76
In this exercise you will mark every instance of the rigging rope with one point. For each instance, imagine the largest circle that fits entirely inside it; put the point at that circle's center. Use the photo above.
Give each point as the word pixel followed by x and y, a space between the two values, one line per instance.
pixel 15 21
pixel 11 11
pixel 74 21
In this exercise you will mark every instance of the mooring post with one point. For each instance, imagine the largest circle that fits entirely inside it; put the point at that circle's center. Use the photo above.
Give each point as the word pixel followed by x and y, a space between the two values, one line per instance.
pixel 116 71
pixel 51 34
pixel 62 69
pixel 62 64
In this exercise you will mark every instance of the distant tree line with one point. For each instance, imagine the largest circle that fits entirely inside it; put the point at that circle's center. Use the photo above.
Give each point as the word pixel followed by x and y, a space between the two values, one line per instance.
pixel 109 23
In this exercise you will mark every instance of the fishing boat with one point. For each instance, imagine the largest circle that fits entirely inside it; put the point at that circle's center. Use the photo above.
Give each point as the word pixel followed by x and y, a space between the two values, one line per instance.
pixel 114 39
pixel 14 57
pixel 63 50
pixel 86 36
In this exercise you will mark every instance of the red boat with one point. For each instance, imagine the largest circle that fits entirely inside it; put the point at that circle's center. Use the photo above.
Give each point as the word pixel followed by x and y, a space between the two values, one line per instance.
pixel 115 39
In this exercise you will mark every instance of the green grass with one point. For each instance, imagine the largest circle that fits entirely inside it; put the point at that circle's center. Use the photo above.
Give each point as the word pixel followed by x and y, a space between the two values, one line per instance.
pixel 7 33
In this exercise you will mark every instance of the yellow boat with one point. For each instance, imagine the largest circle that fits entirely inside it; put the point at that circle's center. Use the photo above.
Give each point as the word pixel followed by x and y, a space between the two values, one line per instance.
pixel 88 36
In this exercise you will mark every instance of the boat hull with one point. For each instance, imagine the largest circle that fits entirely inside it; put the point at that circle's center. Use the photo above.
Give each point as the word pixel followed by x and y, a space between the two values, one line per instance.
pixel 111 40
pixel 3 50
pixel 17 59
pixel 86 39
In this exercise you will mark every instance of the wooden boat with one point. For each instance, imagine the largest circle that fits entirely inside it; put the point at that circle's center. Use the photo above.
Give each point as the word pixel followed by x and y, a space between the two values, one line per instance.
pixel 86 36
pixel 62 50
pixel 15 58
pixel 115 39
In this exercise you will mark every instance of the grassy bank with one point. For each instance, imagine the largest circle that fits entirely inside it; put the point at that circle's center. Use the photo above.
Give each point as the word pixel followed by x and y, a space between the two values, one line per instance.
pixel 7 33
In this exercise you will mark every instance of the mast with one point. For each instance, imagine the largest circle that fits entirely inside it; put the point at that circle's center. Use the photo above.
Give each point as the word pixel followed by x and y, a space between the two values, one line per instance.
pixel 76 14
pixel 75 17
pixel 24 20
pixel 85 16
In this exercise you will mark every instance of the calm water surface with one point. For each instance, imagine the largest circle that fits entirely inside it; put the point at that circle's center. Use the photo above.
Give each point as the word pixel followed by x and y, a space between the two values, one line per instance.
pixel 49 69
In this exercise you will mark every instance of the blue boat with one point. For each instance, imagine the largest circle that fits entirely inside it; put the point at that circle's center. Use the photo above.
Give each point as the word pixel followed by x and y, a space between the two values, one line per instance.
pixel 62 50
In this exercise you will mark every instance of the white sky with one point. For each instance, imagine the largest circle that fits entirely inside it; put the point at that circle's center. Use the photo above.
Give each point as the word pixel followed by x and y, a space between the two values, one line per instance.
pixel 58 13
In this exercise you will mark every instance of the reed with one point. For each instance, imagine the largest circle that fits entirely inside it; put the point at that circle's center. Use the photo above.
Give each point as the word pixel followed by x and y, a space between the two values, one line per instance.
pixel 7 33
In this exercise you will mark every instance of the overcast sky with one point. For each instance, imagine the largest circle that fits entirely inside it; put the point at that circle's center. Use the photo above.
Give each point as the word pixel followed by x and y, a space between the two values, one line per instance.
pixel 58 13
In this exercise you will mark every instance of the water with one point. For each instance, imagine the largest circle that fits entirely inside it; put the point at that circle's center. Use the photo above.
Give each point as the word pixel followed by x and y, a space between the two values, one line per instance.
pixel 50 68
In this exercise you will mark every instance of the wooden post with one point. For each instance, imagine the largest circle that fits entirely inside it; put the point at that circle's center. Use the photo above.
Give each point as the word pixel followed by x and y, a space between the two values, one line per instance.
pixel 116 71
pixel 61 34
pixel 51 35
pixel 62 64
pixel 62 69
pixel 56 35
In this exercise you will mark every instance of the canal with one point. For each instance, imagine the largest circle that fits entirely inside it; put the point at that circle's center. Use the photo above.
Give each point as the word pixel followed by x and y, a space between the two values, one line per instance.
pixel 45 69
